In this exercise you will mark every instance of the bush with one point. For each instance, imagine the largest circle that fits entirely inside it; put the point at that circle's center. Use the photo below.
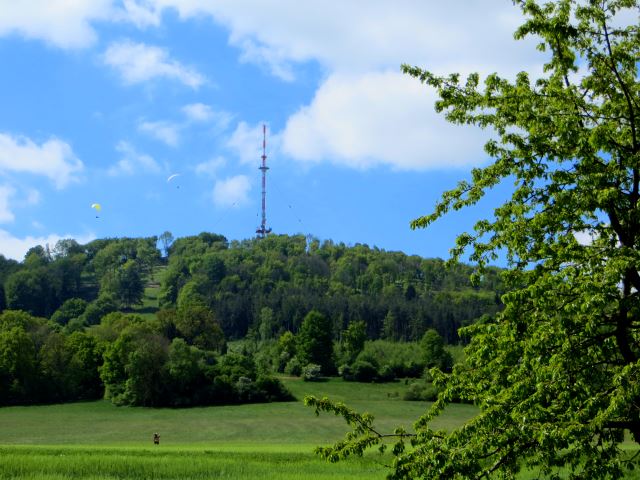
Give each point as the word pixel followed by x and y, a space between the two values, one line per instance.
pixel 293 367
pixel 393 359
pixel 312 372
pixel 386 374
pixel 364 371
pixel 421 392
pixel 283 359
pixel 346 372
pixel 273 389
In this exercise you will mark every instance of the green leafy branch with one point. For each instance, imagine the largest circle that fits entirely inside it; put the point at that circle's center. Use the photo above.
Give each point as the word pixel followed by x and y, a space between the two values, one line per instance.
pixel 363 435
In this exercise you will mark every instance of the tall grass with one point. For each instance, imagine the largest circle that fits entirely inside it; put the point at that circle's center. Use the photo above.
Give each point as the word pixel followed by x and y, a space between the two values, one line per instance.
pixel 185 464
pixel 96 440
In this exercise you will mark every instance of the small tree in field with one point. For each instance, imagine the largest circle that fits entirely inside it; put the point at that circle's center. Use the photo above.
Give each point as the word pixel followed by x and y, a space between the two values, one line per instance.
pixel 433 351
pixel 556 374
pixel 315 341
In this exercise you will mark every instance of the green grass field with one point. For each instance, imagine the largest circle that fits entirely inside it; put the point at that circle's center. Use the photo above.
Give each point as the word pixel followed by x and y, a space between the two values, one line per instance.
pixel 96 440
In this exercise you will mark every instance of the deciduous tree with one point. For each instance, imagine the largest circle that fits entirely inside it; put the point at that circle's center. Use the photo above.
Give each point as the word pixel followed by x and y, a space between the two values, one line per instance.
pixel 315 341
pixel 556 373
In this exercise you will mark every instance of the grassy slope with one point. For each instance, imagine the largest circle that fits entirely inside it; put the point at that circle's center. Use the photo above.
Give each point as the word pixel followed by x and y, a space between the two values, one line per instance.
pixel 289 423
pixel 150 304
pixel 97 440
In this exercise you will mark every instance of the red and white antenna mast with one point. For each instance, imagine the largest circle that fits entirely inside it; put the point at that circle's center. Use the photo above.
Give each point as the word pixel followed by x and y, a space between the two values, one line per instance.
pixel 263 230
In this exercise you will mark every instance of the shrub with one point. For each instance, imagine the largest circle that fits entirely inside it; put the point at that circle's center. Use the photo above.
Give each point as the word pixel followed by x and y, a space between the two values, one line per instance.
pixel 273 389
pixel 421 392
pixel 364 371
pixel 312 372
pixel 293 367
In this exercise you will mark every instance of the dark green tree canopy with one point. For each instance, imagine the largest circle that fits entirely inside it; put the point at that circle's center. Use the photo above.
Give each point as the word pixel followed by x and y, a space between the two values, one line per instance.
pixel 315 342
pixel 555 374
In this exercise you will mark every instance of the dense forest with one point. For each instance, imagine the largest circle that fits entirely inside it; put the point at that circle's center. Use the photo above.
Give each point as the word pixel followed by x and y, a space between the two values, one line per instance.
pixel 302 306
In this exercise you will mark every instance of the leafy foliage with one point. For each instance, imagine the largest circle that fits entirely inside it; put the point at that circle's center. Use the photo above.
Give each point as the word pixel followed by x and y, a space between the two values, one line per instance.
pixel 315 342
pixel 555 374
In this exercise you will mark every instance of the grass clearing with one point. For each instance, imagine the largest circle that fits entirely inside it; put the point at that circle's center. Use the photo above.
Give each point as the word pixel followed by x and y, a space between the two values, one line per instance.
pixel 150 299
pixel 283 423
pixel 163 463
pixel 96 440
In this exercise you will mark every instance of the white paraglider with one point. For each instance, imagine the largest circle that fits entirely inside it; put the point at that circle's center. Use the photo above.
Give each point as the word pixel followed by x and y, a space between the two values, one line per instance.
pixel 171 177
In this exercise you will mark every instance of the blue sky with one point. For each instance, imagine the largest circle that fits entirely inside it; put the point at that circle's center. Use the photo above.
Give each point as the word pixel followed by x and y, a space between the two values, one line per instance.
pixel 102 100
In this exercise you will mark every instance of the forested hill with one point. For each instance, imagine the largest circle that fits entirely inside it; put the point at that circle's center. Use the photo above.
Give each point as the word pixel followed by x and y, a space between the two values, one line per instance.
pixel 259 287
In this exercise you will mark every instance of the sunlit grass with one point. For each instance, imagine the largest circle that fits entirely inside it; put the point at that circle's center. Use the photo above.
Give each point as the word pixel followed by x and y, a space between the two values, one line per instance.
pixel 96 440
pixel 112 463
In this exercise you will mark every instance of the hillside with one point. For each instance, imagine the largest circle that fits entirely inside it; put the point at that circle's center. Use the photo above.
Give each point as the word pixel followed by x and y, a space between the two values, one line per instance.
pixel 254 287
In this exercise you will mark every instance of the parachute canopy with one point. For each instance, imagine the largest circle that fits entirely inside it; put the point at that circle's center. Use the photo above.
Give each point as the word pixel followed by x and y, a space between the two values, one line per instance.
pixel 96 206
pixel 171 177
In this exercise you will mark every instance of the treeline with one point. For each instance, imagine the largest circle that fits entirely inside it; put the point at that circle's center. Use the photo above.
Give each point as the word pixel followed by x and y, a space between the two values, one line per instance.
pixel 259 288
pixel 125 359
pixel 264 287
pixel 69 331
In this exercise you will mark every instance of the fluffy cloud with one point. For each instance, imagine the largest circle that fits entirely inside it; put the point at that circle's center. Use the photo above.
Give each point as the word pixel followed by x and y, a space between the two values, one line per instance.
pixel 141 14
pixel 166 132
pixel 138 62
pixel 198 112
pixel 132 162
pixel 202 113
pixel 345 37
pixel 210 167
pixel 246 143
pixel 8 200
pixel 53 159
pixel 33 197
pixel 16 248
pixel 379 118
pixel 6 192
pixel 232 191
pixel 365 113
pixel 61 23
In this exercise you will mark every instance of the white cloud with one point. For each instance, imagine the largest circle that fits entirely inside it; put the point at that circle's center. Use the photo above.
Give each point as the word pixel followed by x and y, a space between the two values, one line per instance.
pixel 166 132
pixel 378 118
pixel 345 37
pixel 8 199
pixel 132 162
pixel 232 191
pixel 33 197
pixel 585 237
pixel 16 248
pixel 53 159
pixel 138 63
pixel 246 143
pixel 142 14
pixel 6 192
pixel 210 167
pixel 365 112
pixel 198 112
pixel 63 23
pixel 342 36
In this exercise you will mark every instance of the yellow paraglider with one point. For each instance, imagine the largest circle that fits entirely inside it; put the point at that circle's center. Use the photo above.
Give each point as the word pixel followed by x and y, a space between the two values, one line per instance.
pixel 97 207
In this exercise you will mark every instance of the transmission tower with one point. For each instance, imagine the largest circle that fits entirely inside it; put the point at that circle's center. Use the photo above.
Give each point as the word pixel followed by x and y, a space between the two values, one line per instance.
pixel 262 230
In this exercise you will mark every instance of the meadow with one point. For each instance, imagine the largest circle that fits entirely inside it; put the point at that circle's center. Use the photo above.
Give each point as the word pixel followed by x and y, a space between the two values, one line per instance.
pixel 99 441
pixel 96 440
